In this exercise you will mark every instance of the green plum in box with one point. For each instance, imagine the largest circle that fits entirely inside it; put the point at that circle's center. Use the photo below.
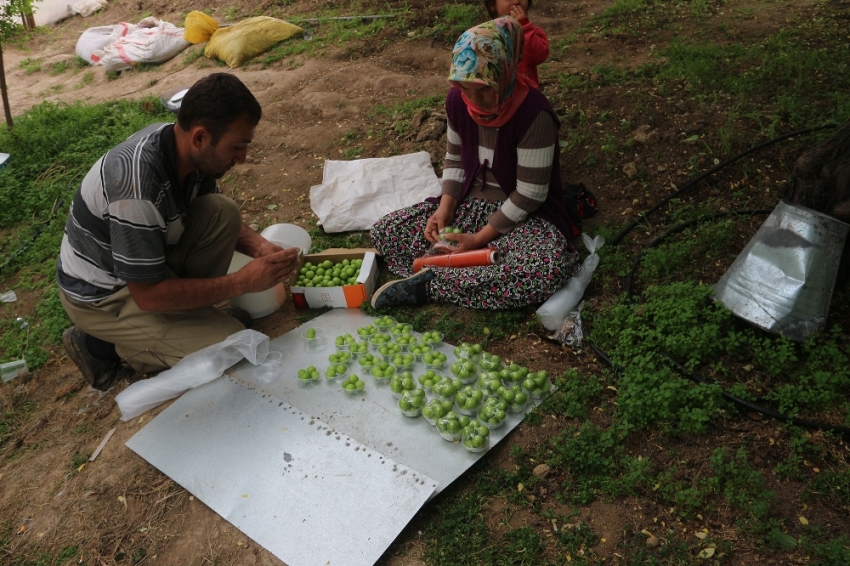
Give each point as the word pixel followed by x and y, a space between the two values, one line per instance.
pixel 490 362
pixel 447 388
pixel 341 357
pixel 515 397
pixel 433 338
pixel 514 374
pixel 336 371
pixel 476 437
pixel 489 382
pixel 384 323
pixel 353 384
pixel 468 400
pixel 382 372
pixel 468 351
pixel 308 375
pixel 403 361
pixel 465 370
pixel 451 426
pixel 337 278
pixel 412 402
pixel 493 412
pixel 536 385
pixel 344 342
pixel 401 382
pixel 436 409
pixel 429 379
pixel 434 360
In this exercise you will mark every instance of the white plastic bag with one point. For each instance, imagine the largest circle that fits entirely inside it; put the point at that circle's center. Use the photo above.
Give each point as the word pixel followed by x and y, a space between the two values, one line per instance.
pixel 554 311
pixel 195 369
pixel 152 41
pixel 356 194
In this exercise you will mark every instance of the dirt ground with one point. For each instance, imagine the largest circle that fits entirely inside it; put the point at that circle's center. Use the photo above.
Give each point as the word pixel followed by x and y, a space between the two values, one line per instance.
pixel 119 506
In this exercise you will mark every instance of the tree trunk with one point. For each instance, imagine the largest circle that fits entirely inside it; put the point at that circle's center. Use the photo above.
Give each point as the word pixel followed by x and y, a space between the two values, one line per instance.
pixel 4 92
pixel 28 20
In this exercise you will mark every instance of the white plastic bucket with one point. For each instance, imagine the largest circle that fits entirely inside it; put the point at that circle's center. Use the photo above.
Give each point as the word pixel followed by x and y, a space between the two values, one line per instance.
pixel 259 304
pixel 288 236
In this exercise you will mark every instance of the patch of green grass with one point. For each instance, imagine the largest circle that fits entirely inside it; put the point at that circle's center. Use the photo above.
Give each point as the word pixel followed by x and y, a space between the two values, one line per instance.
pixel 87 79
pixel 59 68
pixel 352 152
pixel 591 454
pixel 54 146
pixel 407 108
pixel 454 19
pixel 14 415
pixel 322 240
pixel 331 34
pixel 575 395
pixel 30 65
pixel 67 555
pixel 193 54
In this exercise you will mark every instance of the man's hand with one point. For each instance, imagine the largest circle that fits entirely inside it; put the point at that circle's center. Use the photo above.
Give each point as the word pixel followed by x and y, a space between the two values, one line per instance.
pixel 176 294
pixel 266 271
pixel 267 248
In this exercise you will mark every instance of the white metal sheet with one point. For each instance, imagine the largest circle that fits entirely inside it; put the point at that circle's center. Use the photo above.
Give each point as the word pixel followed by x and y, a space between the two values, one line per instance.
pixel 287 463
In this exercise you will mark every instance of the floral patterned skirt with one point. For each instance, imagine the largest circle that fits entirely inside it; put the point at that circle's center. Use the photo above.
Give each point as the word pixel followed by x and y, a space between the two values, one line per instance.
pixel 536 259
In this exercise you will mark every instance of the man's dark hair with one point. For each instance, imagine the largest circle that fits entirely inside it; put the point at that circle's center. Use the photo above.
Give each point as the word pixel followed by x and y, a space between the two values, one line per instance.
pixel 491 7
pixel 215 102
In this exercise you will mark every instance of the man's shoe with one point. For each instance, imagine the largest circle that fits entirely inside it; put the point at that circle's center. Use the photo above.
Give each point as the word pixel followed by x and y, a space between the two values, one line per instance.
pixel 241 315
pixel 404 292
pixel 99 374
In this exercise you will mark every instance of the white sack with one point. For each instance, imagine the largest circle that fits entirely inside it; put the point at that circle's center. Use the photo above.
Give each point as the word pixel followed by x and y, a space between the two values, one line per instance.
pixel 195 369
pixel 554 311
pixel 46 12
pixel 152 41
pixel 356 194
pixel 86 8
pixel 96 38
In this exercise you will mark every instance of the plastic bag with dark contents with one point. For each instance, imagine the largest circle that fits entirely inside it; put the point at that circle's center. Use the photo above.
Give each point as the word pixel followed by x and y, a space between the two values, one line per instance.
pixel 571 331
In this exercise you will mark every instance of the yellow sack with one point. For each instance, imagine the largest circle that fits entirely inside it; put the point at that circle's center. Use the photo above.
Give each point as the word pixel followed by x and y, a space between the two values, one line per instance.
pixel 240 42
pixel 198 27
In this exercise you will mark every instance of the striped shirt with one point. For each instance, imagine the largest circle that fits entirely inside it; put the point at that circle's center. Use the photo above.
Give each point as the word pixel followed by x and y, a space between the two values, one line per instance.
pixel 535 153
pixel 127 212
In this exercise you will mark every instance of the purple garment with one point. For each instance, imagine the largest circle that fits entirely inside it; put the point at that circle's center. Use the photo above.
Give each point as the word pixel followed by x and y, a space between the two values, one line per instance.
pixel 504 164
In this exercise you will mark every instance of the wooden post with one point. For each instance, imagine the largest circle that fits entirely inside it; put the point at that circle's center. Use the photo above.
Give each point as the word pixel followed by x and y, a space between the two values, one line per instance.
pixel 4 92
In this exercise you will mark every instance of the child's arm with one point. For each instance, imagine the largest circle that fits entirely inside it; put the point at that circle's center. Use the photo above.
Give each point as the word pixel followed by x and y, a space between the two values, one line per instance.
pixel 536 49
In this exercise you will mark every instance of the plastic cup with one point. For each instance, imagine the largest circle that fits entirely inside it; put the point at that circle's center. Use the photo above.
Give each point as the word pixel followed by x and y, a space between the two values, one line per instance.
pixel 271 369
pixel 314 342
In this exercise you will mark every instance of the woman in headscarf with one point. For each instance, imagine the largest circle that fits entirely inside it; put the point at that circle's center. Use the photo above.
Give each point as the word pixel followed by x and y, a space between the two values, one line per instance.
pixel 501 186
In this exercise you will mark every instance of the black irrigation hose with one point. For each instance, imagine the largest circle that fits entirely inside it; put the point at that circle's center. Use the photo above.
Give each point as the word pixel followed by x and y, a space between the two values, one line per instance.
pixel 34 236
pixel 728 396
pixel 754 407
pixel 675 230
pixel 643 215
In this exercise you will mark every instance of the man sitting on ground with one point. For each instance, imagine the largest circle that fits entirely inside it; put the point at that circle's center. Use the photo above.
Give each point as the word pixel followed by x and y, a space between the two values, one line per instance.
pixel 149 240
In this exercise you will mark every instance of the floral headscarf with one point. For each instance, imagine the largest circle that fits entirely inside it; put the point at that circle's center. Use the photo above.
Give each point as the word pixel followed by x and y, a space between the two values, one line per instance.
pixel 488 54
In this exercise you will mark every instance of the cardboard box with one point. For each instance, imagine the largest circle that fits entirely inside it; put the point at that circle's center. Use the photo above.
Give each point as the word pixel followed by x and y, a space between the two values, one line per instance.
pixel 343 296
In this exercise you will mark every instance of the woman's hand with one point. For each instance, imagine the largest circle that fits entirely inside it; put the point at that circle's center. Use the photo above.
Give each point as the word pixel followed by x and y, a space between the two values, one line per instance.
pixel 467 242
pixel 442 217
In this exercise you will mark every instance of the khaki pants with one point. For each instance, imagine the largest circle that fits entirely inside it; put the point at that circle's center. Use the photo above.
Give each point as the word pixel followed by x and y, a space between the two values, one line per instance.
pixel 153 341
